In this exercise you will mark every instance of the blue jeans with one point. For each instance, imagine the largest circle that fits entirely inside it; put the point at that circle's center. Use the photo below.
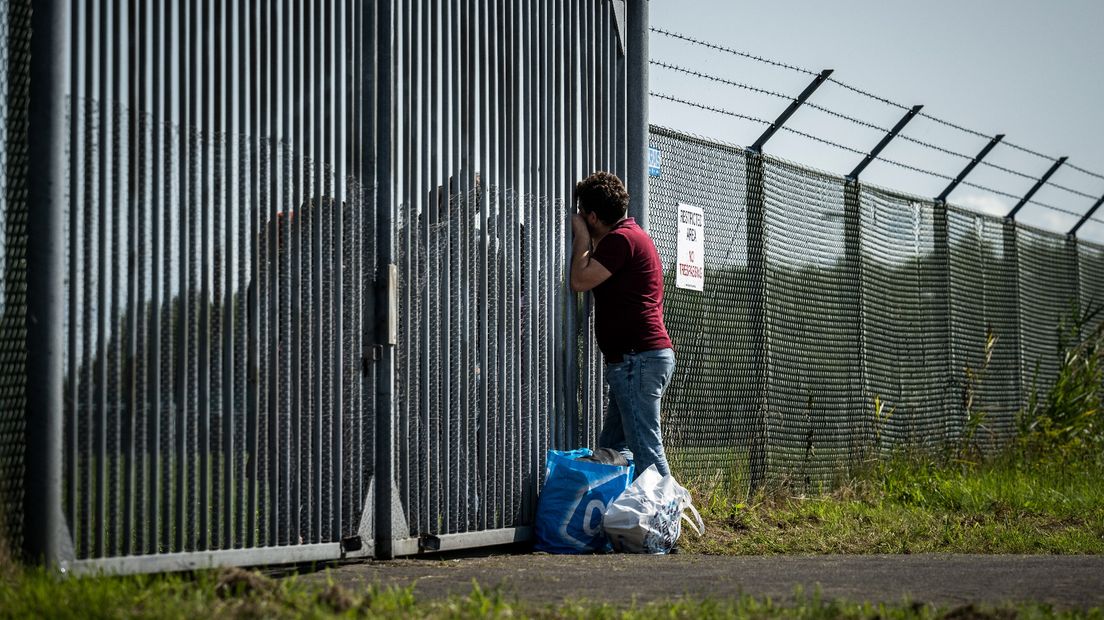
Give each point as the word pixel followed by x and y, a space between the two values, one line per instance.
pixel 631 425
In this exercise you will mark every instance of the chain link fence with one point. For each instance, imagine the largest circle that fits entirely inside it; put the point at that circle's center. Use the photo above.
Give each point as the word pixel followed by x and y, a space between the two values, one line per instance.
pixel 15 35
pixel 840 321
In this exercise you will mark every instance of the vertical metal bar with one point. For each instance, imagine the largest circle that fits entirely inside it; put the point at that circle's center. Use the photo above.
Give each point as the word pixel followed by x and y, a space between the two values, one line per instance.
pixel 338 128
pixel 483 30
pixel 179 465
pixel 637 102
pixel 446 178
pixel 44 532
pixel 145 121
pixel 942 252
pixel 159 202
pixel 211 206
pixel 431 213
pixel 298 210
pixel 852 220
pixel 503 179
pixel 757 266
pixel 469 467
pixel 229 166
pixel 274 113
pixel 102 155
pixel 385 378
pixel 408 438
pixel 126 287
pixel 76 287
pixel 252 31
pixel 1010 237
pixel 315 210
pixel 565 299
pixel 451 323
pixel 421 197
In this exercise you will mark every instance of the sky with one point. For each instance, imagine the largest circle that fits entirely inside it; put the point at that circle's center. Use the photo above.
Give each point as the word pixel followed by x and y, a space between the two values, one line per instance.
pixel 1030 70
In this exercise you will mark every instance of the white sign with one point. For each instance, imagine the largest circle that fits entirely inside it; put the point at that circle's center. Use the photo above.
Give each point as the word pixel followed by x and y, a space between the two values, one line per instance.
pixel 690 270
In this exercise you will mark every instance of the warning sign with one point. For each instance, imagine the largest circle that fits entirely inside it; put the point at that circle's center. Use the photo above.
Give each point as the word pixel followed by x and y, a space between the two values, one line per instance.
pixel 690 271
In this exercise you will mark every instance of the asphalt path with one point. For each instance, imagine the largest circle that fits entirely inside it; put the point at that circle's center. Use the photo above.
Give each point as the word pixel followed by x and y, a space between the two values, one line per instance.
pixel 1066 582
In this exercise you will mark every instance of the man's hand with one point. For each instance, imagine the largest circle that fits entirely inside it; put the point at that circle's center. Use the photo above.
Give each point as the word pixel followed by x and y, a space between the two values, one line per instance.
pixel 579 227
pixel 585 273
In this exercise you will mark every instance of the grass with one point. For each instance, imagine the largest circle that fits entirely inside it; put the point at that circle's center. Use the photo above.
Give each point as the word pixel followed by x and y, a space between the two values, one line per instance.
pixel 235 593
pixel 910 505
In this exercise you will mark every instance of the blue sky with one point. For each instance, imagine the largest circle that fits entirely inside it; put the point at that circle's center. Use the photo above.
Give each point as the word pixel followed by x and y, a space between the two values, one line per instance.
pixel 1030 70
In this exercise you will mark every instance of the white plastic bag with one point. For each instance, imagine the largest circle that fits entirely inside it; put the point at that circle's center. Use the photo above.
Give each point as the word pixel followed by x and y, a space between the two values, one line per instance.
pixel 647 517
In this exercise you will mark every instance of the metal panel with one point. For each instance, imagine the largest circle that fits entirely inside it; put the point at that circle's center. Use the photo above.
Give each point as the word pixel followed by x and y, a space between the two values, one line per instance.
pixel 1048 298
pixel 481 254
pixel 222 233
pixel 812 325
pixel 983 304
pixel 712 416
pixel 905 328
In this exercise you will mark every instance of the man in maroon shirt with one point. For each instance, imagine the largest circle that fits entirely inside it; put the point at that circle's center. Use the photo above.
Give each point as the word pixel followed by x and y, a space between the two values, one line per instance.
pixel 616 259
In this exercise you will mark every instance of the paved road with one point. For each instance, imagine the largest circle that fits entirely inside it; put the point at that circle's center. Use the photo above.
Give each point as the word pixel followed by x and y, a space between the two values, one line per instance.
pixel 1064 581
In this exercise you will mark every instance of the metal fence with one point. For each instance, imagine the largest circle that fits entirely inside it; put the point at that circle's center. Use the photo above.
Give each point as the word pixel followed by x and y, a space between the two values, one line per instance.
pixel 294 287
pixel 826 299
pixel 299 276
pixel 494 358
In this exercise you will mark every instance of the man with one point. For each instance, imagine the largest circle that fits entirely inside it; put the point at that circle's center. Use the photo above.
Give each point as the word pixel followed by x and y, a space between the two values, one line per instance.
pixel 616 259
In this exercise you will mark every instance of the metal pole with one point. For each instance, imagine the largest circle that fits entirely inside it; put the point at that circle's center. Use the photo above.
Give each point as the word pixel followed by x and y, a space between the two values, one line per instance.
pixel 385 380
pixel 1085 218
pixel 45 537
pixel 1038 184
pixel 789 111
pixel 885 141
pixel 637 126
pixel 969 168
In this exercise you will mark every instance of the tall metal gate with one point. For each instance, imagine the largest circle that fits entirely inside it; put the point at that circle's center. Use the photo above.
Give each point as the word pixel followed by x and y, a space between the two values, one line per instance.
pixel 502 107
pixel 298 284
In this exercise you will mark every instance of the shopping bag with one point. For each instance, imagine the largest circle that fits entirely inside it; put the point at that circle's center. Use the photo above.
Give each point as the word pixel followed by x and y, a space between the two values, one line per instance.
pixel 573 500
pixel 647 517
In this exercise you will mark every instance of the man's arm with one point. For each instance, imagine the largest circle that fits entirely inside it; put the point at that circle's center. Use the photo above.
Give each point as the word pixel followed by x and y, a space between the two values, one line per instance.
pixel 585 273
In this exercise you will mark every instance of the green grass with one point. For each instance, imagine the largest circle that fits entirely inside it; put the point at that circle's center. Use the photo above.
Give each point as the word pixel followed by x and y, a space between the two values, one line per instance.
pixel 911 505
pixel 236 593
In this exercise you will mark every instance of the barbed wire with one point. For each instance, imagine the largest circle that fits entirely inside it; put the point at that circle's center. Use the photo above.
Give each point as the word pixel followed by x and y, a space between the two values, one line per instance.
pixel 1049 158
pixel 729 50
pixel 862 153
pixel 1083 171
pixel 880 99
pixel 709 108
pixel 721 80
pixel 1072 191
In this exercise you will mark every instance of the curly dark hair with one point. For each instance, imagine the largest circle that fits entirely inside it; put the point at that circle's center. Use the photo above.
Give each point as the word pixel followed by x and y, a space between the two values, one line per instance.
pixel 603 194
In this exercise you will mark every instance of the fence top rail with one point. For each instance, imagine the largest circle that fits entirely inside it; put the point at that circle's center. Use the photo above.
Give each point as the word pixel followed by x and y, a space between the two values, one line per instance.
pixel 658 130
pixel 774 159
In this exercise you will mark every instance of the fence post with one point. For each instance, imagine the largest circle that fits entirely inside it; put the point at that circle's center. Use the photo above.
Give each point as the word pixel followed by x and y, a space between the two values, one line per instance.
pixel 1075 275
pixel 852 247
pixel 384 293
pixel 757 266
pixel 45 535
pixel 942 252
pixel 1012 257
pixel 637 126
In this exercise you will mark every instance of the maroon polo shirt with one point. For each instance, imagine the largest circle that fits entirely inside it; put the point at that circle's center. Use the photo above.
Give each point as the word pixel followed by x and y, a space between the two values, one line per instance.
pixel 629 304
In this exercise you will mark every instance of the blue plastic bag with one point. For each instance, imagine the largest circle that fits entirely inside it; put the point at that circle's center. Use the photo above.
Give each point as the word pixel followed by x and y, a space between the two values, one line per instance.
pixel 573 501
